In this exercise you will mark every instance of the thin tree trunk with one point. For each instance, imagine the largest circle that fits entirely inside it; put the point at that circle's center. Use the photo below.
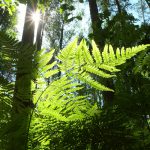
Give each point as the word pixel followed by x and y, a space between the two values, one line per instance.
pixel 22 102
pixel 142 8
pixel 61 35
pixel 118 6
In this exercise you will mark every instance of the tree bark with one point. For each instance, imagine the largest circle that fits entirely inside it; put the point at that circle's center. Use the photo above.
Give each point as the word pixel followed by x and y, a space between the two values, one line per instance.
pixel 29 25
pixel 22 102
pixel 118 6
pixel 99 38
pixel 61 35
pixel 96 24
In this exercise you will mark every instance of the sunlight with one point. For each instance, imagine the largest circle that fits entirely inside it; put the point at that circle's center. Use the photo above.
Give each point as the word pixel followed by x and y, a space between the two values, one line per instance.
pixel 36 17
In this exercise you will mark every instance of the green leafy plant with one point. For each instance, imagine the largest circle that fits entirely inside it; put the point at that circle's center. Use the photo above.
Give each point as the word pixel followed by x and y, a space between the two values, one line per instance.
pixel 60 101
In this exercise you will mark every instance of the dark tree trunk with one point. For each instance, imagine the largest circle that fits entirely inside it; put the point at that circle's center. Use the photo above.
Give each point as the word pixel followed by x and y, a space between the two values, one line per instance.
pixel 61 36
pixel 22 102
pixel 118 6
pixel 98 35
pixel 99 38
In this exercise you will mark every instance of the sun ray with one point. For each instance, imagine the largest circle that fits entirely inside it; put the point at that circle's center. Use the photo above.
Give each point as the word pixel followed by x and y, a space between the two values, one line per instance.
pixel 36 17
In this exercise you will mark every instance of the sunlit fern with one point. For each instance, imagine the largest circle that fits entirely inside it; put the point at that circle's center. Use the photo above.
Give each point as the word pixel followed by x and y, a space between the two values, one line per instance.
pixel 60 100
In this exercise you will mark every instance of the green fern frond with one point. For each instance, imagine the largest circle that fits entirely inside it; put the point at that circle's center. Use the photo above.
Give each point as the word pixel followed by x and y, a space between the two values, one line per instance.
pixel 86 54
pixel 80 65
pixel 96 53
pixel 44 59
pixel 96 71
pixel 105 54
pixel 86 78
pixel 50 73
pixel 124 54
pixel 66 57
pixel 62 101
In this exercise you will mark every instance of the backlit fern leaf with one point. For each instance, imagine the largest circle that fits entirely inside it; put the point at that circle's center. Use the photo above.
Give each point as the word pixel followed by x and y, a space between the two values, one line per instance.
pixel 86 53
pixel 108 61
pixel 105 54
pixel 96 71
pixel 79 59
pixel 86 78
pixel 66 56
pixel 61 101
pixel 96 54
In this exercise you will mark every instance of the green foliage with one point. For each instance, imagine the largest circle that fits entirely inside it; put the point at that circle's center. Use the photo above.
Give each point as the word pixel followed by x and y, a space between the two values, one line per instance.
pixel 143 64
pixel 9 5
pixel 120 30
pixel 60 104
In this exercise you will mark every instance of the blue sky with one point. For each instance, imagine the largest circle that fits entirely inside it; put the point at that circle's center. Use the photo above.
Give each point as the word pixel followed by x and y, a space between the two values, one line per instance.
pixel 83 25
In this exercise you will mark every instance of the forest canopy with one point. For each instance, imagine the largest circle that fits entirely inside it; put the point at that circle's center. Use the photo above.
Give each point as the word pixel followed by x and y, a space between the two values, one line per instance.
pixel 79 76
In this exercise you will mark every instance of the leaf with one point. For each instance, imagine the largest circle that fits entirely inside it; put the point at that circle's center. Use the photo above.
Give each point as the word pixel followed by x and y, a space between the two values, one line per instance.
pixel 96 54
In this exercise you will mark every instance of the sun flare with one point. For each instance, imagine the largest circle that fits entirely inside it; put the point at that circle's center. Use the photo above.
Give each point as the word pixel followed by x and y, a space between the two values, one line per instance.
pixel 36 17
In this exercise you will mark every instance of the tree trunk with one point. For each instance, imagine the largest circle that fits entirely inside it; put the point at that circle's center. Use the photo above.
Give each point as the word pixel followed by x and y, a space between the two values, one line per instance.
pixel 22 102
pixel 142 9
pixel 61 35
pixel 29 26
pixel 118 6
pixel 96 24
pixel 99 38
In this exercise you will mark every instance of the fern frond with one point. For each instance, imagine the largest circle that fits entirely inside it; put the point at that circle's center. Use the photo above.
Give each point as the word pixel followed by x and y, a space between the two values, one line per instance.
pixel 66 57
pixel 105 54
pixel 44 59
pixel 86 54
pixel 61 100
pixel 124 54
pixel 50 73
pixel 86 78
pixel 96 54
pixel 80 65
pixel 96 71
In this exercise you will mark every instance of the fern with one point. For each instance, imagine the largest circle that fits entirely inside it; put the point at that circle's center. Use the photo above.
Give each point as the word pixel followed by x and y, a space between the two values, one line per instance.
pixel 82 64
pixel 60 102
pixel 143 64
pixel 78 65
